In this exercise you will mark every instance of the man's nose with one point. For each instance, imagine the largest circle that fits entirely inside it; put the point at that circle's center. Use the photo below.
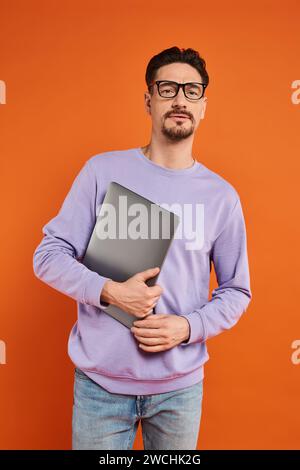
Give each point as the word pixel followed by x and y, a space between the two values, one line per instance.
pixel 180 99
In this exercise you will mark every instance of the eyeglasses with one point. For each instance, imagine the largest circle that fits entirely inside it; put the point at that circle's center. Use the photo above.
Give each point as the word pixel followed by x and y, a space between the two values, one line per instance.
pixel 169 89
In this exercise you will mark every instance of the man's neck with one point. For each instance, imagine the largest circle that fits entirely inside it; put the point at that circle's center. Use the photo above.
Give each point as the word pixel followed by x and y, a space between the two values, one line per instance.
pixel 167 160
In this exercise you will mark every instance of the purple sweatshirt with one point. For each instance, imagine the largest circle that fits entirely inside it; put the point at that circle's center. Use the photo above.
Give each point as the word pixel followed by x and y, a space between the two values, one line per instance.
pixel 101 346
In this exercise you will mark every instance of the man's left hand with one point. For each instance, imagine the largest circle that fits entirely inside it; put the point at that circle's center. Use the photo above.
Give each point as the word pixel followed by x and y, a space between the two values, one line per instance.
pixel 159 332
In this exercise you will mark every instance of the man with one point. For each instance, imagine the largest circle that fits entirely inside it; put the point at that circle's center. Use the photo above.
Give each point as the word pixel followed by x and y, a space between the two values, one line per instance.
pixel 151 373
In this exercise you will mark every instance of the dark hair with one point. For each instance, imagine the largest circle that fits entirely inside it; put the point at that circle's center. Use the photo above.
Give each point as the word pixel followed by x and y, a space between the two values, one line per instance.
pixel 176 54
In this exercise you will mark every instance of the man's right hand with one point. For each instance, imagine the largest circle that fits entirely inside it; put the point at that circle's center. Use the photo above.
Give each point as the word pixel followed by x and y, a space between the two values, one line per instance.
pixel 133 296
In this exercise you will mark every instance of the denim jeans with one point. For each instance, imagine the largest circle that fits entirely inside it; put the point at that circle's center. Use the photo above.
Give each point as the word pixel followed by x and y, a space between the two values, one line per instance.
pixel 106 420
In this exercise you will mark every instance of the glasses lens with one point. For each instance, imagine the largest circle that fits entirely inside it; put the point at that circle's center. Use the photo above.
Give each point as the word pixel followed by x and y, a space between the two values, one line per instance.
pixel 167 90
pixel 193 91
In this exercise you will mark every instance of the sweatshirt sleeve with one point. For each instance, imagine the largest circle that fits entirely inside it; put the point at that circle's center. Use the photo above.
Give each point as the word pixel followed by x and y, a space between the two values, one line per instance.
pixel 56 260
pixel 233 294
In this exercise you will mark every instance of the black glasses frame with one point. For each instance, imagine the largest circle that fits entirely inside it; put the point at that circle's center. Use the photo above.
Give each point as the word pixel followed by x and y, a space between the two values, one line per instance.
pixel 179 85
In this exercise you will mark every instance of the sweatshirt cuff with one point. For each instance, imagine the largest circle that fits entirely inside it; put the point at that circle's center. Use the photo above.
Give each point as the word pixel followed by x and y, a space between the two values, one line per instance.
pixel 93 290
pixel 197 330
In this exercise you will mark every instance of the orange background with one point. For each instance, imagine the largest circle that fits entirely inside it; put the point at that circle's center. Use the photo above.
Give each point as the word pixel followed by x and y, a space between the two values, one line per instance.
pixel 74 73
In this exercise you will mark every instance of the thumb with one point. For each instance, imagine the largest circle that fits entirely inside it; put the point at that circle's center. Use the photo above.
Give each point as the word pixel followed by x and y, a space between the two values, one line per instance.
pixel 151 272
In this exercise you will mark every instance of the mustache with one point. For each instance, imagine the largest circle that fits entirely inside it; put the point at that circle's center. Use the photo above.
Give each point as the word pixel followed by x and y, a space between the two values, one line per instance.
pixel 179 112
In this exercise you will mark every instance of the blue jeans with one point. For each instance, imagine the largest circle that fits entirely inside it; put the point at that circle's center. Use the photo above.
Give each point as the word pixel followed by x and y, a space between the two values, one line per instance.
pixel 105 420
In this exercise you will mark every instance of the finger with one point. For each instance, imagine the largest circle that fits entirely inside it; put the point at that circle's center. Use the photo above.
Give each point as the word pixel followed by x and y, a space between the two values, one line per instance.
pixel 154 321
pixel 150 341
pixel 148 313
pixel 152 308
pixel 148 332
pixel 151 311
pixel 153 349
pixel 156 290
pixel 148 273
pixel 144 315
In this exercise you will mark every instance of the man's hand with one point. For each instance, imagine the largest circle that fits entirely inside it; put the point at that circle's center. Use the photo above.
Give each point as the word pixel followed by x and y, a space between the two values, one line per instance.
pixel 133 296
pixel 160 332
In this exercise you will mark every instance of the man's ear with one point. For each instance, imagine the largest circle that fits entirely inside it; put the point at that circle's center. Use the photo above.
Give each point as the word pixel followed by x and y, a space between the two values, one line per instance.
pixel 203 107
pixel 147 102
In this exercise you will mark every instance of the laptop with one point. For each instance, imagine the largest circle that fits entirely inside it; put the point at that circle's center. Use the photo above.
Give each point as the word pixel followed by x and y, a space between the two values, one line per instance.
pixel 131 234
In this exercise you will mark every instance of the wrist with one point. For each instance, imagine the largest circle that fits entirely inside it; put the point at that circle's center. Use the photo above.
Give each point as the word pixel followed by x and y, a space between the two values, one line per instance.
pixel 187 330
pixel 109 292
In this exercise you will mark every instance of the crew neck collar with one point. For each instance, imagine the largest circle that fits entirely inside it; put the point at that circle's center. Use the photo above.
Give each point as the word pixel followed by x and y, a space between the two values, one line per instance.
pixel 168 171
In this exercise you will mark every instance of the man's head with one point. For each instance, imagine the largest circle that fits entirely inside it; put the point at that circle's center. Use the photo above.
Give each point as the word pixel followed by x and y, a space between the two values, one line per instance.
pixel 180 66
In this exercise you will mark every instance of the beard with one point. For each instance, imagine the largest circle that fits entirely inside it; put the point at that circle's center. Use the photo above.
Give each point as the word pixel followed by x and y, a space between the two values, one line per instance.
pixel 177 132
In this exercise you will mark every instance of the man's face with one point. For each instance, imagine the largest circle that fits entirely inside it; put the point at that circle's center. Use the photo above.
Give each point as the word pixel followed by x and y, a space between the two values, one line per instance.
pixel 161 109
